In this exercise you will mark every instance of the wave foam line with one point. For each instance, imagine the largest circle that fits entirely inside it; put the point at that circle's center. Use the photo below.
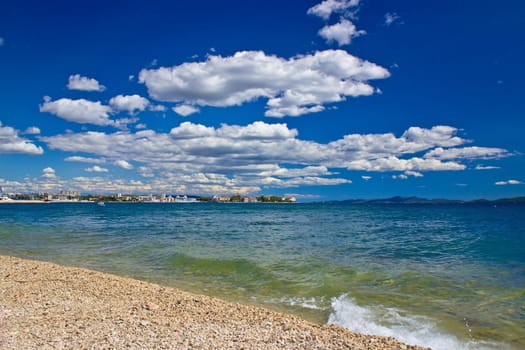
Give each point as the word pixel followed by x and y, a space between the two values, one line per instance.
pixel 415 330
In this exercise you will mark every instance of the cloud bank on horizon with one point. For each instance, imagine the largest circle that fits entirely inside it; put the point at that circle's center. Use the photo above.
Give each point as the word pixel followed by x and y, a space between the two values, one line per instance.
pixel 121 153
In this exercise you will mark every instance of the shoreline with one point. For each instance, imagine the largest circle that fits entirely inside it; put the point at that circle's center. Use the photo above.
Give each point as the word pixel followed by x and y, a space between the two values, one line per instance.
pixel 51 306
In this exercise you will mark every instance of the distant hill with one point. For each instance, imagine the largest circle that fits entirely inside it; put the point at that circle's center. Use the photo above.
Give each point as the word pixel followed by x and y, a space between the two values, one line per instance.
pixel 418 200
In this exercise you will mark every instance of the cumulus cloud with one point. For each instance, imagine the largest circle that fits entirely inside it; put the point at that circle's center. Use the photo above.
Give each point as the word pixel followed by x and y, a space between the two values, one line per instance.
pixel 309 171
pixel 185 110
pixel 508 182
pixel 78 82
pixel 32 130
pixel 196 146
pixel 48 173
pixel 130 103
pixel 101 184
pixel 78 111
pixel 96 169
pixel 206 159
pixel 295 86
pixel 473 152
pixel 144 171
pixel 195 158
pixel 257 130
pixel 414 140
pixel 391 18
pixel 122 123
pixel 85 160
pixel 440 135
pixel 413 173
pixel 11 142
pixel 342 32
pixel 393 163
pixel 303 181
pixel 327 7
pixel 124 164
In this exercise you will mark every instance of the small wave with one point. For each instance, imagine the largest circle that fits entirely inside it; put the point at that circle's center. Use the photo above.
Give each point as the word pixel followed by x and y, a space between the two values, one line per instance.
pixel 410 329
pixel 307 303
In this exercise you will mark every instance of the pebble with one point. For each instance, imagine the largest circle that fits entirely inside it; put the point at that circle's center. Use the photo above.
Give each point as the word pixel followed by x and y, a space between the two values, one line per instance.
pixel 110 312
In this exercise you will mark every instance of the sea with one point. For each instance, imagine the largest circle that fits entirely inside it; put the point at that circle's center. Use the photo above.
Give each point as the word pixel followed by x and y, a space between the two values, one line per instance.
pixel 447 276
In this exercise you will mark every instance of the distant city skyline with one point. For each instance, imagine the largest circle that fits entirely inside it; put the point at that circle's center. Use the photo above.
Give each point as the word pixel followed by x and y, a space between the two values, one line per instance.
pixel 319 100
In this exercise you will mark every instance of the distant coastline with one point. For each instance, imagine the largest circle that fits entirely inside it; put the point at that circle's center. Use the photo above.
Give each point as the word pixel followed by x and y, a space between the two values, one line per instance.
pixel 418 200
pixel 75 197
pixel 391 200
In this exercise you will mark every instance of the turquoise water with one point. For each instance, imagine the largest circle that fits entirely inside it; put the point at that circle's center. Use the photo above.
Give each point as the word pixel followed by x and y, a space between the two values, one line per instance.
pixel 445 276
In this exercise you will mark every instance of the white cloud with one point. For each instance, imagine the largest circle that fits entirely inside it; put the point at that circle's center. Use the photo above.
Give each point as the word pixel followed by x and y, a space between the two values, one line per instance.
pixel 393 163
pixel 77 82
pixel 473 152
pixel 185 110
pixel 96 169
pixel 294 86
pixel 123 164
pixel 414 140
pixel 144 171
pixel 440 135
pixel 78 111
pixel 391 18
pixel 508 182
pixel 486 167
pixel 257 130
pixel 196 145
pixel 413 173
pixel 206 159
pixel 85 160
pixel 342 32
pixel 400 177
pixel 366 177
pixel 32 130
pixel 157 108
pixel 10 142
pixel 106 185
pixel 327 7
pixel 309 171
pixel 308 181
pixel 130 103
pixel 48 173
pixel 122 123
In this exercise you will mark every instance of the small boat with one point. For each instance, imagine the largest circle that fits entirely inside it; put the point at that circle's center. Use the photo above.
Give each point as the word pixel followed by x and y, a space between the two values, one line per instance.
pixel 102 204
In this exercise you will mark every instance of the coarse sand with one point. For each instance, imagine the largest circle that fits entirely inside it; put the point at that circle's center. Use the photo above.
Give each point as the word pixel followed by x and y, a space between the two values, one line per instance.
pixel 48 306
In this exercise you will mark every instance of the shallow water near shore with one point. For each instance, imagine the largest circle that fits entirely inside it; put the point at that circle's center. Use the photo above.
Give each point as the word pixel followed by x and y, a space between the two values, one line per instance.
pixel 445 276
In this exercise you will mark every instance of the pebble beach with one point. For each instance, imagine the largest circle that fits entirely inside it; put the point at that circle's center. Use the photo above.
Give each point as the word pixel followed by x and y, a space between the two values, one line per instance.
pixel 48 306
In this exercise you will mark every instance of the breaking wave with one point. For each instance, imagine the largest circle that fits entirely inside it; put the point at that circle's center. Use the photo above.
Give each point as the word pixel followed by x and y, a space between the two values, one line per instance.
pixel 410 329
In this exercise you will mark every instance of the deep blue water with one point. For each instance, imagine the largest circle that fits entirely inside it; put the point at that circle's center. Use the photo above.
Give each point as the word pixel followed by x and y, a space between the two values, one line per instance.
pixel 446 276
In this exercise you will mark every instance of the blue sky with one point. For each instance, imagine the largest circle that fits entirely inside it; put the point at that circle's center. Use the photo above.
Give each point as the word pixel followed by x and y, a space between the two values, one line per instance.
pixel 323 100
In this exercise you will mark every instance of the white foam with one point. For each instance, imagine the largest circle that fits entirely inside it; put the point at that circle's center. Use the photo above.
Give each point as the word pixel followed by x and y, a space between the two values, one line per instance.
pixel 390 322
pixel 307 303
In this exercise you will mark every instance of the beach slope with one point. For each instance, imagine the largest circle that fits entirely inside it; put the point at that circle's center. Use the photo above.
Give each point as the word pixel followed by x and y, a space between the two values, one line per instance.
pixel 44 305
